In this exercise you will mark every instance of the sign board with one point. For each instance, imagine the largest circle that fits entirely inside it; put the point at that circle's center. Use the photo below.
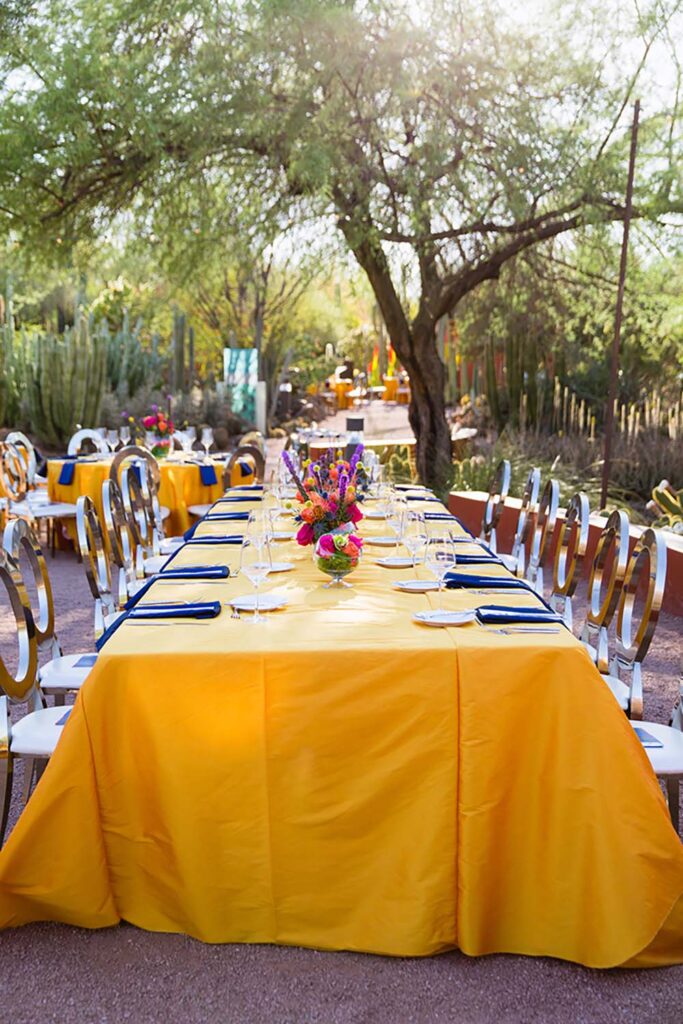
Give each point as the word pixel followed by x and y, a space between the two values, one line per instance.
pixel 240 374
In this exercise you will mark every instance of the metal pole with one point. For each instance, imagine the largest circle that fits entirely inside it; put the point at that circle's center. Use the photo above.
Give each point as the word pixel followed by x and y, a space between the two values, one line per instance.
pixel 614 370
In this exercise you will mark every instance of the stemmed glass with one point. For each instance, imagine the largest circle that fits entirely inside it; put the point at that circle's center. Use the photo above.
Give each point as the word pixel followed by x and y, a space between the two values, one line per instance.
pixel 207 439
pixel 150 439
pixel 415 536
pixel 254 566
pixel 124 434
pixel 396 514
pixel 113 439
pixel 440 560
pixel 191 435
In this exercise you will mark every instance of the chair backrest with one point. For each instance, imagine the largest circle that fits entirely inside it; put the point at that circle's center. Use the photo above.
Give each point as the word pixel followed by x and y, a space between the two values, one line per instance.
pixel 527 514
pixel 86 434
pixel 544 527
pixel 614 540
pixel 646 568
pixel 120 536
pixel 134 455
pixel 19 539
pixel 254 439
pixel 20 686
pixel 92 551
pixel 572 542
pixel 493 510
pixel 250 452
pixel 139 508
pixel 12 472
pixel 27 452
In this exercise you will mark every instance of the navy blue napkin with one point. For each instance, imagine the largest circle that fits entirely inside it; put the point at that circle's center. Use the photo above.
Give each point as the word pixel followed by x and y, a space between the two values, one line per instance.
pixel 481 559
pixel 446 517
pixel 227 499
pixel 190 572
pixel 454 580
pixel 246 468
pixel 245 487
pixel 227 539
pixel 220 517
pixel 500 614
pixel 207 474
pixel 421 497
pixel 66 473
pixel 194 610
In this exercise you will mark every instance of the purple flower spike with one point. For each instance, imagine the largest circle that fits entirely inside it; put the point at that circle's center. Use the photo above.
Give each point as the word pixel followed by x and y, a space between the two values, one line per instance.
pixel 287 459
pixel 343 484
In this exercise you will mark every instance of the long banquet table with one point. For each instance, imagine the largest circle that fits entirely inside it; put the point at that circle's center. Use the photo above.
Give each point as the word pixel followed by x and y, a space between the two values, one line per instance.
pixel 344 778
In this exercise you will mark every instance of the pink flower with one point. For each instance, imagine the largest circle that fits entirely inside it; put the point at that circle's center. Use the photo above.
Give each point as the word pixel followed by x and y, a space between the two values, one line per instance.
pixel 305 535
pixel 149 422
pixel 355 539
pixel 326 545
pixel 355 514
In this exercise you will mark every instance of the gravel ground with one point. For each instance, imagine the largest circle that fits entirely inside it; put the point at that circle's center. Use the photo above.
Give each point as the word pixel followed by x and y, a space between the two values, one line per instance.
pixel 54 973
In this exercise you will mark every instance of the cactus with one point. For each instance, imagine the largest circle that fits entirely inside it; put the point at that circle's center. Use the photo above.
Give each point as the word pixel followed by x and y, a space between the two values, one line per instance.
pixel 670 503
pixel 9 385
pixel 63 379
pixel 129 366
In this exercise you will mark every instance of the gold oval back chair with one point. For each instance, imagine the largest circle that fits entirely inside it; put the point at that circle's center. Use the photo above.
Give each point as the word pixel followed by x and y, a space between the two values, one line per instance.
pixel 120 535
pixel 493 510
pixel 96 563
pixel 572 543
pixel 251 453
pixel 646 577
pixel 35 735
pixel 526 520
pixel 544 528
pixel 604 591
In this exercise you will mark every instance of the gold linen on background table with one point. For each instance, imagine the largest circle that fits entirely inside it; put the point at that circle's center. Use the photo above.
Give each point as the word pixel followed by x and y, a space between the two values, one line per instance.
pixel 180 487
pixel 344 778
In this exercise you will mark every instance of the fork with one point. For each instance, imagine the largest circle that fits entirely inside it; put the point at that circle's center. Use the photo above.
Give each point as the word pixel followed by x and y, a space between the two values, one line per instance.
pixel 521 629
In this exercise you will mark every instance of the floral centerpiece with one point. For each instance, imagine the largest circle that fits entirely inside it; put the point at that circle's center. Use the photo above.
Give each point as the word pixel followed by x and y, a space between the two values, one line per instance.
pixel 161 425
pixel 328 511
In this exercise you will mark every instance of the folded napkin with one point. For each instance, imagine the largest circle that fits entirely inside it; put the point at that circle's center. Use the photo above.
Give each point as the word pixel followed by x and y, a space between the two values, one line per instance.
pixel 246 468
pixel 423 497
pixel 67 472
pixel 481 559
pixel 238 497
pixel 216 539
pixel 190 572
pixel 245 487
pixel 189 610
pixel 207 475
pixel 497 613
pixel 455 580
pixel 446 517
pixel 220 517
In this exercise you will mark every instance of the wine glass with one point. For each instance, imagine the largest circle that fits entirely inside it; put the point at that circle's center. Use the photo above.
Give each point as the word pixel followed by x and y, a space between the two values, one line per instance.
pixel 396 513
pixel 415 536
pixel 124 434
pixel 150 439
pixel 113 439
pixel 440 560
pixel 207 439
pixel 255 567
pixel 191 435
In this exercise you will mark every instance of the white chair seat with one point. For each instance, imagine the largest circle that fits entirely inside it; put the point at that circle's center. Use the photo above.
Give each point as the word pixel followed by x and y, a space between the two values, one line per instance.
pixel 37 734
pixel 44 509
pixel 667 759
pixel 620 691
pixel 63 674
pixel 509 561
pixel 165 512
pixel 198 510
pixel 154 564
pixel 170 544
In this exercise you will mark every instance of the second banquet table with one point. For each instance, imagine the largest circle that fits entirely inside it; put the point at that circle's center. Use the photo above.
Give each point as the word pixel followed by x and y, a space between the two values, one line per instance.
pixel 344 778
pixel 181 485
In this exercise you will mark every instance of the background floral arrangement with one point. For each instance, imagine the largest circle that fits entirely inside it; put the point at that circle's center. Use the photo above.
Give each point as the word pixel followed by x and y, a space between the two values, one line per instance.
pixel 158 422
pixel 327 497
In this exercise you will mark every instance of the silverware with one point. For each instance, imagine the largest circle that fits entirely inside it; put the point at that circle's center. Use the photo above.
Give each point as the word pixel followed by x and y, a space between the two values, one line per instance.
pixel 521 629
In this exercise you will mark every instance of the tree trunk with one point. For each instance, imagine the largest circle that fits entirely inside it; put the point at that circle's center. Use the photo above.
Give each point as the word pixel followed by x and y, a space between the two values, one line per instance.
pixel 427 412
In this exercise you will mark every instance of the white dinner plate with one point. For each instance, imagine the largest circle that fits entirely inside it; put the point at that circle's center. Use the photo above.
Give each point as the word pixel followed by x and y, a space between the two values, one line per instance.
pixel 283 534
pixel 266 603
pixel 416 586
pixel 373 514
pixel 395 562
pixel 280 566
pixel 382 542
pixel 445 618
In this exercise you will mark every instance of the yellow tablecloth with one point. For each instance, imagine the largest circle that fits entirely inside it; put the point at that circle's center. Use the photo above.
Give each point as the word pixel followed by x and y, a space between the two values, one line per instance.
pixel 180 487
pixel 390 389
pixel 342 777
pixel 341 389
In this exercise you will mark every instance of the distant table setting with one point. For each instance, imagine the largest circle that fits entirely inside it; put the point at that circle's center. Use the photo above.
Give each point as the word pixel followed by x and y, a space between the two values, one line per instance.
pixel 380 741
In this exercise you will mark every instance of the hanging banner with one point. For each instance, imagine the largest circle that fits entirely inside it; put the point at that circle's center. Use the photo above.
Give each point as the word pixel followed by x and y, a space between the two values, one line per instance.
pixel 240 374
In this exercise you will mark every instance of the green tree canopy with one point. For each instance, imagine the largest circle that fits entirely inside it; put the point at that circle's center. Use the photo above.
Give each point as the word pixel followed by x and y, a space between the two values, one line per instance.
pixel 441 139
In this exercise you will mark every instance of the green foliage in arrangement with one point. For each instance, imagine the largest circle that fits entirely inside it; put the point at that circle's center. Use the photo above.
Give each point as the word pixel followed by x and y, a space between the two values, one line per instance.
pixel 62 380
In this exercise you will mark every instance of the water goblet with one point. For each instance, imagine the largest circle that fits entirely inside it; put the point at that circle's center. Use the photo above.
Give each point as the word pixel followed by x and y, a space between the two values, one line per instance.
pixel 207 439
pixel 113 439
pixel 415 536
pixel 440 560
pixel 256 568
pixel 124 434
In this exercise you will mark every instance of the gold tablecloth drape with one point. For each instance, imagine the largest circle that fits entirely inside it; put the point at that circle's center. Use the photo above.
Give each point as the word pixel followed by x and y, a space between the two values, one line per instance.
pixel 344 778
